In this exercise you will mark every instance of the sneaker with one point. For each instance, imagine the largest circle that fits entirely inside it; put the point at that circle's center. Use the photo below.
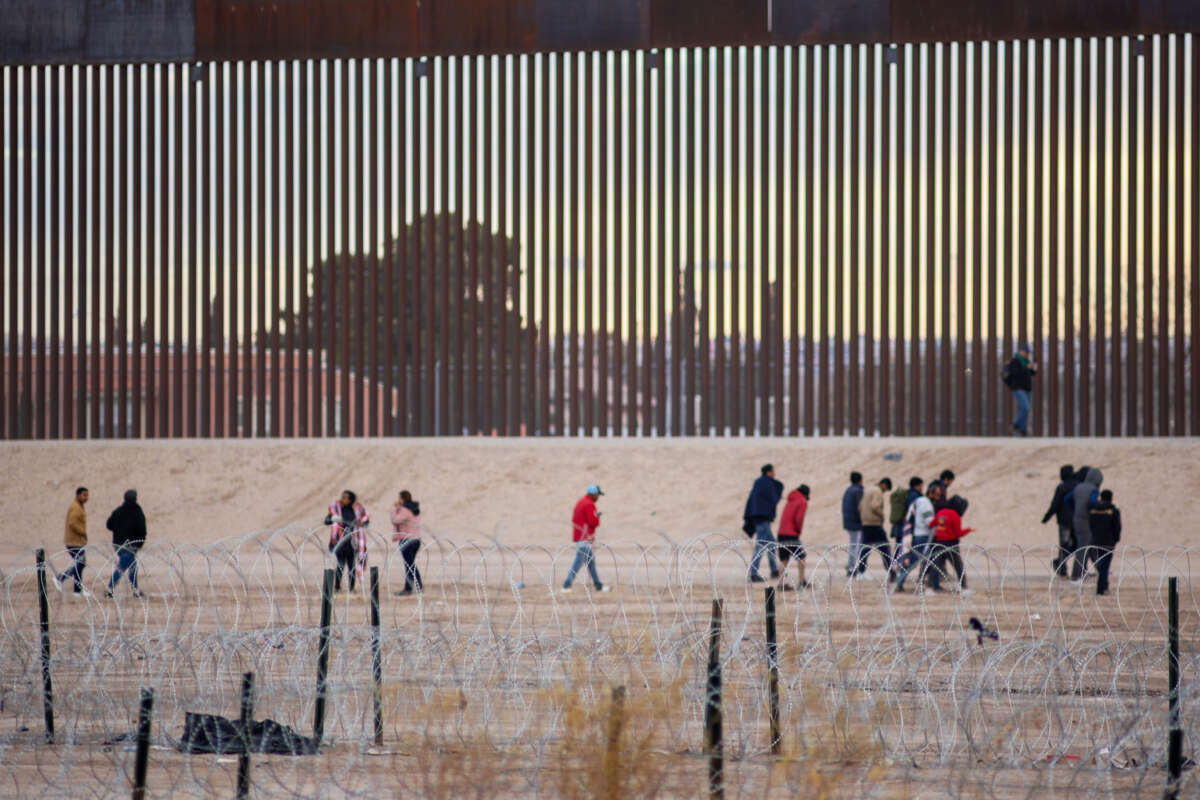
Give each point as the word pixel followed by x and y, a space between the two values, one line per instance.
pixel 566 589
pixel 138 593
pixel 57 582
pixel 604 588
pixel 774 575
pixel 82 591
pixel 757 579
pixel 108 593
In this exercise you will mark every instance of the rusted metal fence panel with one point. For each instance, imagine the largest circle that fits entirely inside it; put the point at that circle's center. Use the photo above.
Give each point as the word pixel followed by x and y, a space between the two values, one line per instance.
pixel 735 240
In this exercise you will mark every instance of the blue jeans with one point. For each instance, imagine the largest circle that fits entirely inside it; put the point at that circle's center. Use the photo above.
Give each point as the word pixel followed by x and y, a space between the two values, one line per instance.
pixel 855 549
pixel 918 554
pixel 78 562
pixel 583 556
pixel 1021 423
pixel 126 560
pixel 764 542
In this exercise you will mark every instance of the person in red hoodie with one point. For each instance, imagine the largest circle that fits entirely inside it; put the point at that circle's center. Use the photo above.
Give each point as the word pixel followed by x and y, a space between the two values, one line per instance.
pixel 584 522
pixel 947 531
pixel 791 524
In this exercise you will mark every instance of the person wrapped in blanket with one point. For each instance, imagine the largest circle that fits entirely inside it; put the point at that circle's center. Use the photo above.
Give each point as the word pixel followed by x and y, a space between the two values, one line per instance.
pixel 348 537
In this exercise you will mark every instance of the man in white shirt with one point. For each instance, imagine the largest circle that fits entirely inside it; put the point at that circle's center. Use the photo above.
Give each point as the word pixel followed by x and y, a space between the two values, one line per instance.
pixel 920 520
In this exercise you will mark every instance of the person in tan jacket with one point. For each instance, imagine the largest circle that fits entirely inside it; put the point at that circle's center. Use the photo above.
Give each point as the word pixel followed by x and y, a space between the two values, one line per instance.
pixel 871 510
pixel 75 538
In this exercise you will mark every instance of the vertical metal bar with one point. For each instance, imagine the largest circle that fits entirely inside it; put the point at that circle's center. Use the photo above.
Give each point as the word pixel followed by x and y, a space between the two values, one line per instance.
pixel 193 269
pixel 568 351
pixel 443 263
pixel 461 225
pixel 585 189
pixel 869 398
pixel 55 277
pixel 221 419
pixel 267 276
pixel 11 109
pixel 140 212
pixel 473 160
pixel 1070 299
pixel 345 241
pixel 824 260
pixel 919 78
pixel 360 372
pixel 773 650
pixel 721 377
pixel 621 212
pixel 793 391
pixel 1086 264
pixel 978 427
pixel 935 394
pixel 1115 425
pixel 72 258
pixel 546 66
pixel 244 727
pixel 118 210
pixel 678 302
pixel 1162 219
pixel 738 264
pixel 778 101
pixel 142 756
pixel 650 68
pixel 178 390
pixel 767 337
pixel 273 165
pixel 323 655
pixel 386 238
pixel 512 259
pixel 39 312
pixel 604 423
pixel 246 301
pixel 376 660
pixel 660 74
pixel 407 299
pixel 7 399
pixel 201 126
pixel 535 157
pixel 326 307
pixel 995 210
pixel 488 255
pixel 1174 728
pixel 1194 235
pixel 854 357
pixel 111 287
pixel 1150 69
pixel 287 250
pixel 903 281
pixel 751 297
pixel 946 260
pixel 704 60
pixel 886 129
pixel 837 97
pixel 44 637
pixel 1052 378
pixel 1177 210
pixel 93 128
pixel 1132 399
pixel 1102 257
pixel 811 91
pixel 961 247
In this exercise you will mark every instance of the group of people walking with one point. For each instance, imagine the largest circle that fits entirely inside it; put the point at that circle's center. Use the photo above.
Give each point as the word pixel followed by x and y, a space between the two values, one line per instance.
pixel 348 521
pixel 1089 525
pixel 128 525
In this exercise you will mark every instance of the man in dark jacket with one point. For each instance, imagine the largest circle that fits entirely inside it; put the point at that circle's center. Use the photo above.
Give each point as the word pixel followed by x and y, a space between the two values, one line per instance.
pixel 128 526
pixel 1083 497
pixel 1105 519
pixel 759 514
pixel 852 520
pixel 1061 511
pixel 1020 372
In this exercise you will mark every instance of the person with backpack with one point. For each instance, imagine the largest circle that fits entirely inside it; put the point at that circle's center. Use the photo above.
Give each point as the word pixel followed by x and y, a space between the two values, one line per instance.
pixel 1060 511
pixel 1018 377
pixel 1105 522
pixel 757 519
pixel 791 523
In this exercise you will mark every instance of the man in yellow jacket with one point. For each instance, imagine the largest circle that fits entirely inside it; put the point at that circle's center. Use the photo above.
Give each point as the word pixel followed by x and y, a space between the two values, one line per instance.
pixel 75 538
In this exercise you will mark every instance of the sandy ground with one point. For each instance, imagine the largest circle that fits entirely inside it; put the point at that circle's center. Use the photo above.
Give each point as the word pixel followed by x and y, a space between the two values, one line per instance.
pixel 521 491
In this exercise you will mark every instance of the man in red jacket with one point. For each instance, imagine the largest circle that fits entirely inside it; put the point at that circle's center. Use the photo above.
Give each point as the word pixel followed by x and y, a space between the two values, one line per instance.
pixel 584 522
pixel 790 526
pixel 947 531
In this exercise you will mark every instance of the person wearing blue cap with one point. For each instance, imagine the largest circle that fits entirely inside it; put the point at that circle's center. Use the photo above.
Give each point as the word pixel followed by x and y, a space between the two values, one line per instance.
pixel 584 522
pixel 1018 377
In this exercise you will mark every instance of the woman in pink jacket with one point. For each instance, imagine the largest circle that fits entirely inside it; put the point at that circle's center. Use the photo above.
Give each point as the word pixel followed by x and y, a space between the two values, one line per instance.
pixel 406 522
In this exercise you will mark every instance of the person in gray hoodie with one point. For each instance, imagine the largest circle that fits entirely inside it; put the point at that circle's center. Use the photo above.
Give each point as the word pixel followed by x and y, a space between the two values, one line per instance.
pixel 1083 497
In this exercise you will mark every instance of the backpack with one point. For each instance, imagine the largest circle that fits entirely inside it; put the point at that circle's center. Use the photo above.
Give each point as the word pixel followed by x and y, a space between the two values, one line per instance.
pixel 899 505
pixel 1006 375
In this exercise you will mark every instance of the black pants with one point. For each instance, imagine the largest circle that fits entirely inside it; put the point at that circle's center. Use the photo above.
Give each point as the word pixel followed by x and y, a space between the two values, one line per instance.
pixel 345 554
pixel 79 558
pixel 1066 548
pixel 943 553
pixel 874 538
pixel 412 575
pixel 1103 558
